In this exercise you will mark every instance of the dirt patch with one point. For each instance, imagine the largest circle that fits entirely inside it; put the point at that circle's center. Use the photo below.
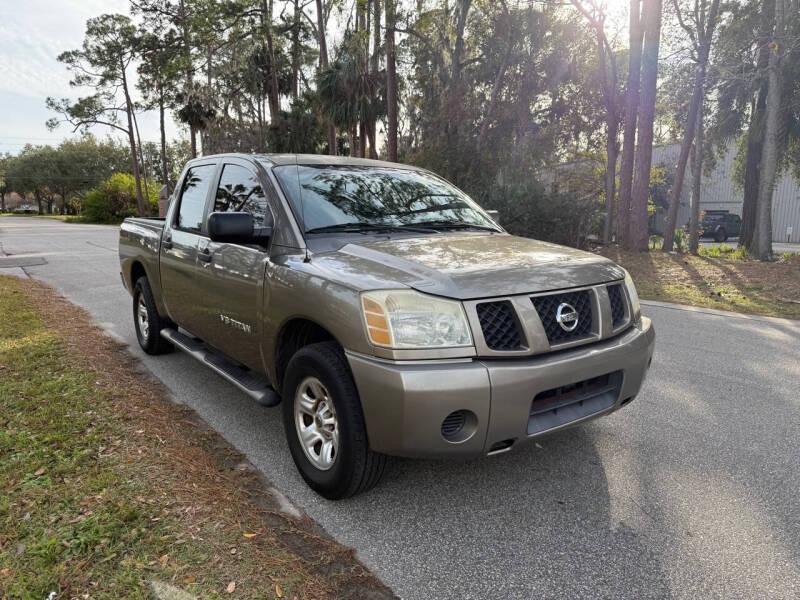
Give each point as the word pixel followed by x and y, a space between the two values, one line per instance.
pixel 227 534
pixel 733 283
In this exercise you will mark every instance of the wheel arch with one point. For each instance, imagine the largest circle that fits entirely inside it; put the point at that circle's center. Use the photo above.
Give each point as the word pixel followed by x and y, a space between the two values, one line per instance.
pixel 137 270
pixel 293 335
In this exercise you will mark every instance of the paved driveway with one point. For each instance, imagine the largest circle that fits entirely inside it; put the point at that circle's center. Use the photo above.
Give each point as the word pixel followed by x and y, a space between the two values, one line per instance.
pixel 689 492
pixel 777 246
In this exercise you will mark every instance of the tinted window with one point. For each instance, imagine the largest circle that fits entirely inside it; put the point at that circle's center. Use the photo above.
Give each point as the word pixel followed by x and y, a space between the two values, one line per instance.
pixel 193 197
pixel 240 191
pixel 324 196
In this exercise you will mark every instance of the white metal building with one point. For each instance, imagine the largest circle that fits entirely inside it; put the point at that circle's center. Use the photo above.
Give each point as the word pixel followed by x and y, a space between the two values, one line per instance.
pixel 718 192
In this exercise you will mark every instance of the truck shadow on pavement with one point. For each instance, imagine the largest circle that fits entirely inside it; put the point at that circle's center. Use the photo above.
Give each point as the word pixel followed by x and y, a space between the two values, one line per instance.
pixel 535 522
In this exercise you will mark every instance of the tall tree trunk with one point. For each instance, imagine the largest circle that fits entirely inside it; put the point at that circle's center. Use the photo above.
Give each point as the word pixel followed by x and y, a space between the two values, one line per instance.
pixel 498 83
pixel 611 175
pixel 2 201
pixel 629 125
pixel 651 20
pixel 755 133
pixel 705 35
pixel 38 195
pixel 140 203
pixel 391 84
pixel 683 158
pixel 697 179
pixel 609 85
pixel 353 134
pixel 323 63
pixel 460 15
pixel 373 150
pixel 273 92
pixel 362 139
pixel 769 158
pixel 295 49
pixel 163 133
pixel 372 126
pixel 143 164
pixel 183 19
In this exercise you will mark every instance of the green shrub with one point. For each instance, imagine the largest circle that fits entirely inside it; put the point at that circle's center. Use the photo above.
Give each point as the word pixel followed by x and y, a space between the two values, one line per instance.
pixel 681 238
pixel 527 210
pixel 96 207
pixel 724 250
pixel 115 199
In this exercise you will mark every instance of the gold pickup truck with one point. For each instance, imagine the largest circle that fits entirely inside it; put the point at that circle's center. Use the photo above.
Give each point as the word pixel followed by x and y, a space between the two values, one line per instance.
pixel 384 310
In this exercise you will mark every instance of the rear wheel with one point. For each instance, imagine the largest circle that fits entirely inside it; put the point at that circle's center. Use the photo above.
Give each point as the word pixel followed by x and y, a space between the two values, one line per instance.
pixel 720 236
pixel 147 321
pixel 324 424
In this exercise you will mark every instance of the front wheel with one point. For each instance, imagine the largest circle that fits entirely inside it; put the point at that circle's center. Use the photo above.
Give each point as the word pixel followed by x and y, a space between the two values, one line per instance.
pixel 324 424
pixel 147 321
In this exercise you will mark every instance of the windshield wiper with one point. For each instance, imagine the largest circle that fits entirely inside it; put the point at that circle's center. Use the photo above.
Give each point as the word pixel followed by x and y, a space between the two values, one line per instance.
pixel 454 225
pixel 362 227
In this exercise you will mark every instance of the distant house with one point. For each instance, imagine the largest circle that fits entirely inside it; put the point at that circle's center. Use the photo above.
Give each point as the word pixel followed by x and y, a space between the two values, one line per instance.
pixel 13 200
pixel 718 191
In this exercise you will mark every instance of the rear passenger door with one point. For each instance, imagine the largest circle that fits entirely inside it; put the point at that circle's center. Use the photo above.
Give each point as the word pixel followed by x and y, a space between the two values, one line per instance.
pixel 237 293
pixel 183 280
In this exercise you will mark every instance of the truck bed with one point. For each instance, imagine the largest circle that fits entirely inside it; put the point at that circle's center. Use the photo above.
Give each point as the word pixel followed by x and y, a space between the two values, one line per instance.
pixel 139 241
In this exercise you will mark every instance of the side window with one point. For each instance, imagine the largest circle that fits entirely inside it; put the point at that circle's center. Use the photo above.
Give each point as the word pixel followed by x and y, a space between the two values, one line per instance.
pixel 193 197
pixel 240 191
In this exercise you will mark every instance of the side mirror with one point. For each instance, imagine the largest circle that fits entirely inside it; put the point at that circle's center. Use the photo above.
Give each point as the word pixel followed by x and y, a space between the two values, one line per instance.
pixel 237 228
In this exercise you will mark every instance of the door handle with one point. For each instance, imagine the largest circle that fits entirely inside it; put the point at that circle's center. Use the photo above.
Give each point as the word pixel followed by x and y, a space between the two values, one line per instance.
pixel 167 242
pixel 205 255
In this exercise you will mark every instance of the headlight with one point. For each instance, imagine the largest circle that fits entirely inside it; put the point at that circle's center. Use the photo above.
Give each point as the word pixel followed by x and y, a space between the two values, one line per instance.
pixel 636 308
pixel 408 319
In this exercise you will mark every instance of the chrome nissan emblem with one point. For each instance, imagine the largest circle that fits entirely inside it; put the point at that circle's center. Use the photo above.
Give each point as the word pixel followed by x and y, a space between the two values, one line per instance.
pixel 567 316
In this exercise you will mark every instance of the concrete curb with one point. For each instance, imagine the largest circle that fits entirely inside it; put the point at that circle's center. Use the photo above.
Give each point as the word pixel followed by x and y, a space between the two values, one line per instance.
pixel 720 313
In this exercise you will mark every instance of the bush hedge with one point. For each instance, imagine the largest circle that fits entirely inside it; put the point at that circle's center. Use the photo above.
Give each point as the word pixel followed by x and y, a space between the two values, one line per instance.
pixel 115 199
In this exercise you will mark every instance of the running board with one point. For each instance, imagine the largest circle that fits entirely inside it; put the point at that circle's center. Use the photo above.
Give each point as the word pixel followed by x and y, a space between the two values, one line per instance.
pixel 246 380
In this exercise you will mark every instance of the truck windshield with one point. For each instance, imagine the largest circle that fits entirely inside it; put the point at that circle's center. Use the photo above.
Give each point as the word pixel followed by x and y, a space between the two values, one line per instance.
pixel 361 198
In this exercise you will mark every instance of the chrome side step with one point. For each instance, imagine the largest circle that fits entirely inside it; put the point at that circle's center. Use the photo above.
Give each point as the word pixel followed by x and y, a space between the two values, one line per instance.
pixel 246 380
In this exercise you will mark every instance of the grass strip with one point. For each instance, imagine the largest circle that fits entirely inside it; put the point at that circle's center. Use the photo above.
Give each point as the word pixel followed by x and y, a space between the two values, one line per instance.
pixel 109 490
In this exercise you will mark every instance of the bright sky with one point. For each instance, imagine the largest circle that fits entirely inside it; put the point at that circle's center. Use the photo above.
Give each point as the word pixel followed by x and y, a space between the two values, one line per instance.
pixel 32 34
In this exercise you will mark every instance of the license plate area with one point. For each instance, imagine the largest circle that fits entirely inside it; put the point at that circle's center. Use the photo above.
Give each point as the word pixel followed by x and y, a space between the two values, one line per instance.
pixel 568 403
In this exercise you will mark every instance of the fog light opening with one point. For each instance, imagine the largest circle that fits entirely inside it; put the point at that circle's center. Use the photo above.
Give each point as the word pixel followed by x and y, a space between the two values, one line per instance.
pixel 624 402
pixel 459 426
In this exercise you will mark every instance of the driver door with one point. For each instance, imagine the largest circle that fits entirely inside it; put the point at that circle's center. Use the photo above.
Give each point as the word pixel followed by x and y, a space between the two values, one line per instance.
pixel 236 296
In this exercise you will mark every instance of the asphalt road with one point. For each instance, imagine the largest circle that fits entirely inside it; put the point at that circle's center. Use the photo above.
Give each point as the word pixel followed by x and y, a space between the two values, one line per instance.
pixel 689 492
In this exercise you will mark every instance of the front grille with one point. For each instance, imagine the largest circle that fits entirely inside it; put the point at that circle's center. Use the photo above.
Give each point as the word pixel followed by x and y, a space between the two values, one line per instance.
pixel 500 326
pixel 547 307
pixel 569 403
pixel 617 305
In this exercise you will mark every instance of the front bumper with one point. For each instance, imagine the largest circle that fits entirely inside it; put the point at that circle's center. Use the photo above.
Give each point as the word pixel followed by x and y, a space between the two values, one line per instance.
pixel 406 402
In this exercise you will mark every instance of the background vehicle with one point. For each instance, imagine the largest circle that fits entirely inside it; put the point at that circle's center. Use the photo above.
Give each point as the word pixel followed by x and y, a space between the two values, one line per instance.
pixel 720 225
pixel 382 308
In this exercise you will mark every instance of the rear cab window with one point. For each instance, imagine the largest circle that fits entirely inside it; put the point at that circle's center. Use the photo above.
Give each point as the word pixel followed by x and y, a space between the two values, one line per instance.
pixel 192 202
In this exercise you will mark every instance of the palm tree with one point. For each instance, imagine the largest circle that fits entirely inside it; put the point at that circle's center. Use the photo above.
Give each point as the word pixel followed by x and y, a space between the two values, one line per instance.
pixel 195 114
pixel 352 93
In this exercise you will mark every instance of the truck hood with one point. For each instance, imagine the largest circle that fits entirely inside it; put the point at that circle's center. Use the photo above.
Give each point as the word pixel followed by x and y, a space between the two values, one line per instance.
pixel 467 266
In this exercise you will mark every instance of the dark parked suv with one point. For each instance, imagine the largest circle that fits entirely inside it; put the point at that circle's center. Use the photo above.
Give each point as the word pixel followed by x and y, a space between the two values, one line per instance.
pixel 720 225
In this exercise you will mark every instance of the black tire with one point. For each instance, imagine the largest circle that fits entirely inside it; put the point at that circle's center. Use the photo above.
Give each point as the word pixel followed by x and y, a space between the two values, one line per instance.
pixel 720 235
pixel 356 468
pixel 151 340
